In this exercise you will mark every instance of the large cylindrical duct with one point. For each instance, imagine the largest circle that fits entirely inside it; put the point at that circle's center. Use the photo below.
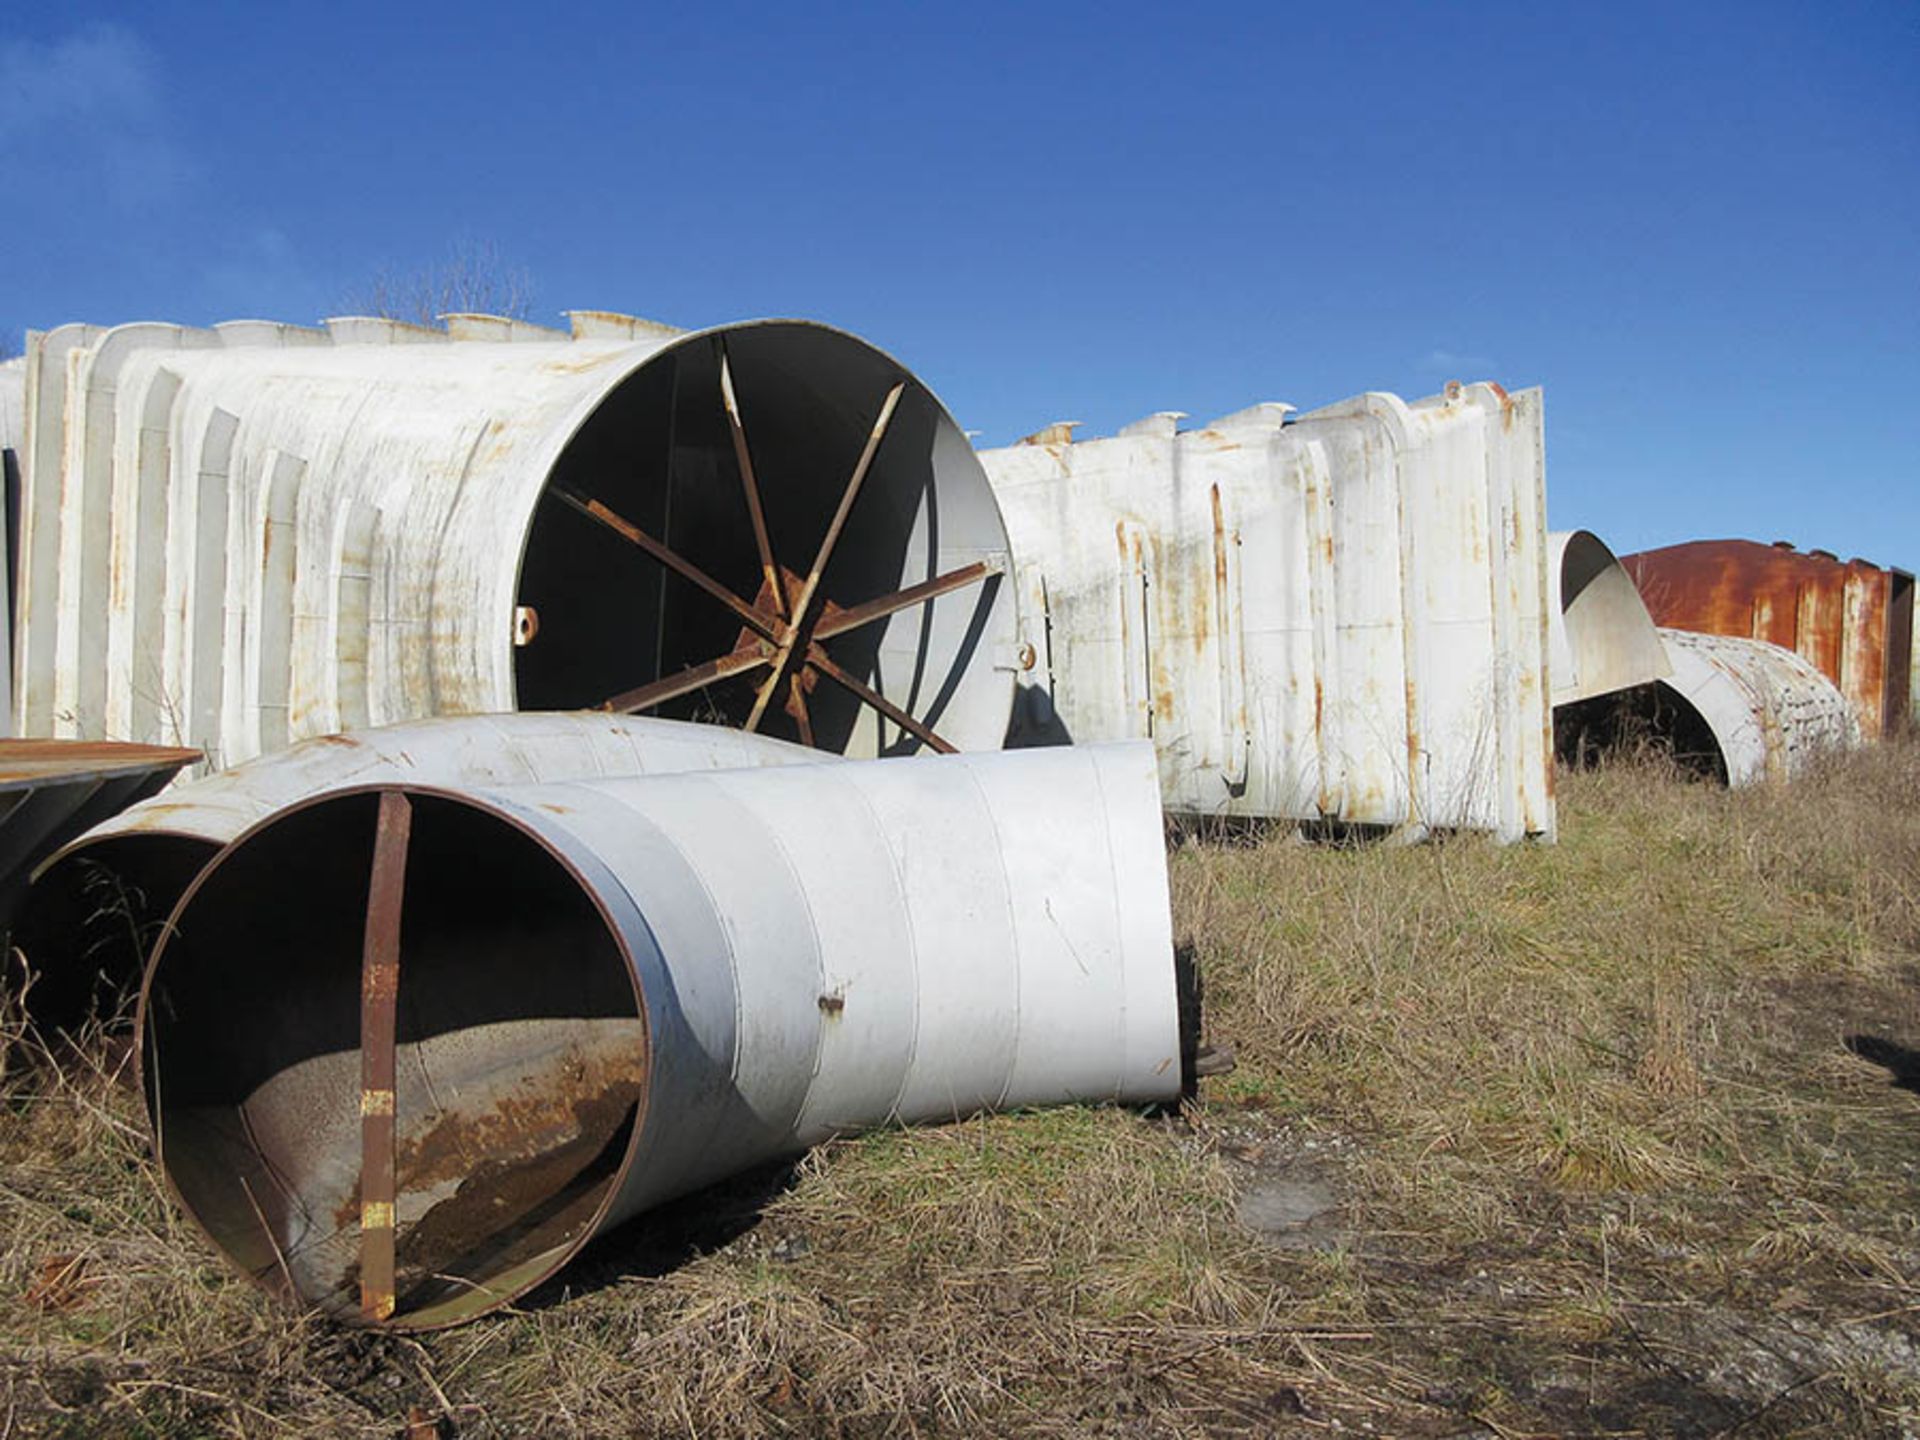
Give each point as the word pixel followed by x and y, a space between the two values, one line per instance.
pixel 235 538
pixel 407 1049
pixel 93 910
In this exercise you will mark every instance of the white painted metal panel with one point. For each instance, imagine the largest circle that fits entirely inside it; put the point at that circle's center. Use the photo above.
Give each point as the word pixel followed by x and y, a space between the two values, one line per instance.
pixel 1339 614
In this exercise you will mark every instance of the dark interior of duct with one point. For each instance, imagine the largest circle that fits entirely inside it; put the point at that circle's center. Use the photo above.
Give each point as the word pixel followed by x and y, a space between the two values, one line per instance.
pixel 1645 722
pixel 85 928
pixel 520 1057
pixel 660 454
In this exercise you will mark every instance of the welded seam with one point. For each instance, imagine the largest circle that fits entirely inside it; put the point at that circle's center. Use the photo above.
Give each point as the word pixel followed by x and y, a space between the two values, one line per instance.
pixel 1119 921
pixel 719 782
pixel 913 944
pixel 1013 932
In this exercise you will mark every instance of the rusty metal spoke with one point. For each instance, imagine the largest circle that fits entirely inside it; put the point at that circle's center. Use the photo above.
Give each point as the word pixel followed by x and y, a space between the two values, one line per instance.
pixel 821 661
pixel 685 682
pixel 768 569
pixel 379 1003
pixel 840 622
pixel 627 530
pixel 796 626
pixel 788 638
pixel 797 706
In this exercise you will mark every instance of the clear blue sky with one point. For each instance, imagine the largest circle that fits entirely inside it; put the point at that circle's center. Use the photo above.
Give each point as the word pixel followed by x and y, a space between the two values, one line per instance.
pixel 1698 226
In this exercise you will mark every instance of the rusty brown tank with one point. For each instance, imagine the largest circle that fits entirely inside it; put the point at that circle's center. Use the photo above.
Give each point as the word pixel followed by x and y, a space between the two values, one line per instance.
pixel 1851 619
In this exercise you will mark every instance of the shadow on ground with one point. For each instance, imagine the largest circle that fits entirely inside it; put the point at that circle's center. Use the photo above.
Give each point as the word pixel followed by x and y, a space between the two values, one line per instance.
pixel 1901 1063
pixel 670 1236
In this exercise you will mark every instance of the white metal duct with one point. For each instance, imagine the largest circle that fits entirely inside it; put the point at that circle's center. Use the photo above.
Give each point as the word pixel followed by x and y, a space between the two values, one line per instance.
pixel 238 537
pixel 1601 637
pixel 1340 614
pixel 614 992
pixel 95 904
pixel 1771 712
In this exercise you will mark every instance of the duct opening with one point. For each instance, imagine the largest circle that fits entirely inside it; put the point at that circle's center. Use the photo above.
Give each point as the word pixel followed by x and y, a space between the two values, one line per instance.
pixel 519 1058
pixel 90 919
pixel 1646 719
pixel 660 456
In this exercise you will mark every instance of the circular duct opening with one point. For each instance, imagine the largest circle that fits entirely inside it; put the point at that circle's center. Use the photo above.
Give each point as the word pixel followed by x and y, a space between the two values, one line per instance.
pixel 649 513
pixel 89 920
pixel 519 1056
pixel 1646 719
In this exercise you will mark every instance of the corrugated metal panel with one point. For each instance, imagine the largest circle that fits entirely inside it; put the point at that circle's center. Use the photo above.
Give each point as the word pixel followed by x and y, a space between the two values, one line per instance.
pixel 241 536
pixel 1343 614
pixel 1602 638
pixel 1771 712
pixel 1851 620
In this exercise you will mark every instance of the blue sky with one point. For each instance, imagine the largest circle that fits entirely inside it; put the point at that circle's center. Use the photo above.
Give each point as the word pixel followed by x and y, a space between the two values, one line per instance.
pixel 1698 226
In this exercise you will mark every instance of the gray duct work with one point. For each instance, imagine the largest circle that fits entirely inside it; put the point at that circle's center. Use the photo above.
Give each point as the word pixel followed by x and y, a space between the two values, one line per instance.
pixel 600 994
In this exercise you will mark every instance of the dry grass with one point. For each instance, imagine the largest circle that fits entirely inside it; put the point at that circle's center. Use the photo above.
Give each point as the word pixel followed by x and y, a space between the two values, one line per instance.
pixel 1603 1163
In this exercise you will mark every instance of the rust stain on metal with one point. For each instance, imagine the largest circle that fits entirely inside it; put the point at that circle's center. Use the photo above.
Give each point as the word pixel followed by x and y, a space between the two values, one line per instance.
pixel 1847 619
pixel 525 1184
pixel 522 1127
pixel 1060 432
pixel 38 760
pixel 589 1096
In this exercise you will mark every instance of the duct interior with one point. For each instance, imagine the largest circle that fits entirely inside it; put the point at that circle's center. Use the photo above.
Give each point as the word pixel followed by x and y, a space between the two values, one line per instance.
pixel 520 1061
pixel 1652 717
pixel 659 451
pixel 89 919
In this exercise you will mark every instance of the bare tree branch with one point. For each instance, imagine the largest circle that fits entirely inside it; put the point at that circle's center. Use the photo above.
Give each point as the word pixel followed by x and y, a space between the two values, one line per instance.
pixel 472 279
